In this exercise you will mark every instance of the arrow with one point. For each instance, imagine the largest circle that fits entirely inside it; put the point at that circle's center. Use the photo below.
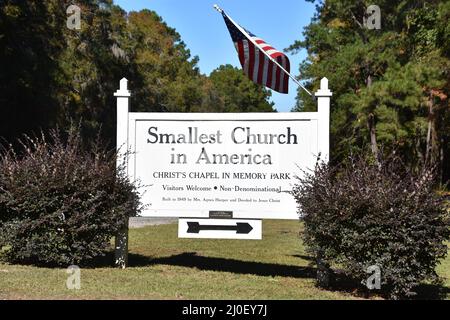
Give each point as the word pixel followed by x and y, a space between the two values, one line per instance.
pixel 240 227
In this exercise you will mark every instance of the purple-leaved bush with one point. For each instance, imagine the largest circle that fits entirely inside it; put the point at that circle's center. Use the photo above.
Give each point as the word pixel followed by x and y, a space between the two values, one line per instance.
pixel 364 213
pixel 61 203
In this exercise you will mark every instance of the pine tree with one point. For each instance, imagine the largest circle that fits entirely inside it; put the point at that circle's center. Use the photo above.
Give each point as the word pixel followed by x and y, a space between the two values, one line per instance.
pixel 390 85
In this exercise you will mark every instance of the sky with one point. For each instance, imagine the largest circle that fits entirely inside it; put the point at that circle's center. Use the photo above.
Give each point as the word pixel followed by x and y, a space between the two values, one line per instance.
pixel 202 28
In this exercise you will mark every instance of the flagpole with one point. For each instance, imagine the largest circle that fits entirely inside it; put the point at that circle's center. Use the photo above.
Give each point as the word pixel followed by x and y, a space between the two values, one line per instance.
pixel 258 46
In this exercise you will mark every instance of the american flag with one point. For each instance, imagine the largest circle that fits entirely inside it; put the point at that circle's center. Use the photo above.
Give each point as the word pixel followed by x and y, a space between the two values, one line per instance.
pixel 257 66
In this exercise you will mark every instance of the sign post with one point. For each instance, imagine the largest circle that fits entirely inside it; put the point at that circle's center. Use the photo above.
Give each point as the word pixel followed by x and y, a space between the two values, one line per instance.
pixel 323 96
pixel 123 95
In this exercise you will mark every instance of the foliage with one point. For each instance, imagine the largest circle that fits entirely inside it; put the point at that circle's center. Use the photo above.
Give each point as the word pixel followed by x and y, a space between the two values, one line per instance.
pixel 363 214
pixel 390 86
pixel 60 204
pixel 52 75
pixel 169 79
pixel 238 93
pixel 30 43
pixel 91 63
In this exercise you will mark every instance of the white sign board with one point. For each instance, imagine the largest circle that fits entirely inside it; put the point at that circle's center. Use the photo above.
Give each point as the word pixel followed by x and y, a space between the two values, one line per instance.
pixel 193 163
pixel 220 229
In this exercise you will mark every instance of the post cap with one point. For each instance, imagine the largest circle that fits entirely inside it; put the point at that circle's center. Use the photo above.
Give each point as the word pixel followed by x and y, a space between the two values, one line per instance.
pixel 323 91
pixel 123 89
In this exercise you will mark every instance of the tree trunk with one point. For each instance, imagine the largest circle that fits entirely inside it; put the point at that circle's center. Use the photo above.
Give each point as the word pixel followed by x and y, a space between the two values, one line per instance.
pixel 372 128
pixel 324 272
pixel 432 147
pixel 434 152
pixel 428 145
pixel 418 149
pixel 373 137
pixel 441 163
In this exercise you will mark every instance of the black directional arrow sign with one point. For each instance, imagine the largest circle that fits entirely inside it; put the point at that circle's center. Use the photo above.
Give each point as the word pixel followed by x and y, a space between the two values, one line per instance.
pixel 240 227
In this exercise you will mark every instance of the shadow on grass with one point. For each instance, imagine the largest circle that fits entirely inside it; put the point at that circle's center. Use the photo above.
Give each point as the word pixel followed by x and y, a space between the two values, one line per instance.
pixel 192 260
pixel 431 292
pixel 340 282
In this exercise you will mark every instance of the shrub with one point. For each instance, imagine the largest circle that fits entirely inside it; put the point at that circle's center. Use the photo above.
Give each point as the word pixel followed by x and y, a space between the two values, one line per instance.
pixel 363 214
pixel 61 204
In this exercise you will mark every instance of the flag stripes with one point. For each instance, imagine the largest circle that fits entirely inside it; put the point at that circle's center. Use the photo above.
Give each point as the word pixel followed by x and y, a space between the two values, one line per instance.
pixel 254 61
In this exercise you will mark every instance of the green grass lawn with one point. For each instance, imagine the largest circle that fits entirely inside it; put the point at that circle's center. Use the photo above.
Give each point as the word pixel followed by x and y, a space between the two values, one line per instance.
pixel 165 267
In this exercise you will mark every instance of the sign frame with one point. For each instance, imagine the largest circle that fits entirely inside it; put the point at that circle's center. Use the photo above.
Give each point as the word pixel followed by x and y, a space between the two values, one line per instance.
pixel 127 123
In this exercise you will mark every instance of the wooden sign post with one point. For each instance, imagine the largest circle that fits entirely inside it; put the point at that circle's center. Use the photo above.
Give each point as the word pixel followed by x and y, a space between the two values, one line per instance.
pixel 123 95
